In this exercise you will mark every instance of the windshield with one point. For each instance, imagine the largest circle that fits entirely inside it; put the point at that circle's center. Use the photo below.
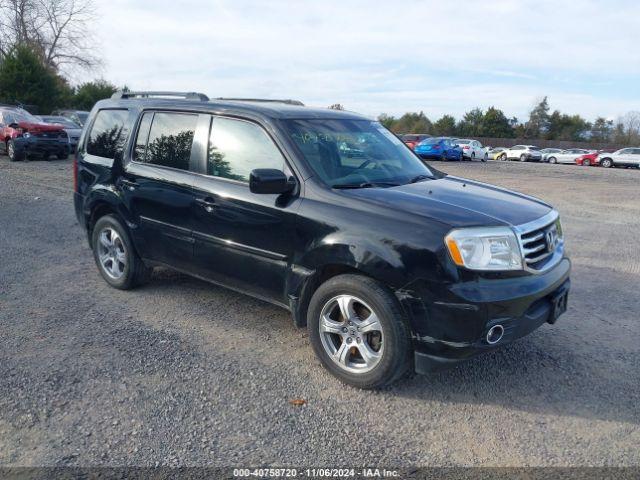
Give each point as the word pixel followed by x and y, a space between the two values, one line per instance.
pixel 24 116
pixel 355 153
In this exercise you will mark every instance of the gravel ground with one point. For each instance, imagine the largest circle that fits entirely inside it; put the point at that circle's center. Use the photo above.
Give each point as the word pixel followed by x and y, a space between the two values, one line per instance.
pixel 181 372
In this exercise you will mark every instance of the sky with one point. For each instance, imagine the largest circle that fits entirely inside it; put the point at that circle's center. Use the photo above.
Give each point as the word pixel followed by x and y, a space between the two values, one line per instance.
pixel 381 56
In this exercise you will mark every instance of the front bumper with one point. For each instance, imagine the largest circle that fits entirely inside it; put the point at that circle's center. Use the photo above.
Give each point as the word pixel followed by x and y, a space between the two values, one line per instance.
pixel 454 326
pixel 41 145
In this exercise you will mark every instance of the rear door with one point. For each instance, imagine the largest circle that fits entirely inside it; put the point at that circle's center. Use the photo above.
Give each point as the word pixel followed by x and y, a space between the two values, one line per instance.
pixel 242 240
pixel 157 186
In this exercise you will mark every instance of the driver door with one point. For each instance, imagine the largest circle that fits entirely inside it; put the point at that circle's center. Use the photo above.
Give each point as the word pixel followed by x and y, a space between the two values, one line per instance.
pixel 242 239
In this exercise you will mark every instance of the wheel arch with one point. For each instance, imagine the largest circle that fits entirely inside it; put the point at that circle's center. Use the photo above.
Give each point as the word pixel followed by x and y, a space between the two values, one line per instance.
pixel 103 202
pixel 329 261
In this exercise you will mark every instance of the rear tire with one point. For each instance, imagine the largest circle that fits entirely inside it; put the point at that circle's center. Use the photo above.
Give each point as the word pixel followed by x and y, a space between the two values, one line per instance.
pixel 523 158
pixel 113 252
pixel 503 157
pixel 339 312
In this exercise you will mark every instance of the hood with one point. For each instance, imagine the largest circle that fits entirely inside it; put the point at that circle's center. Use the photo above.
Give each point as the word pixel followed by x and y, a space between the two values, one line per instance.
pixel 40 127
pixel 457 202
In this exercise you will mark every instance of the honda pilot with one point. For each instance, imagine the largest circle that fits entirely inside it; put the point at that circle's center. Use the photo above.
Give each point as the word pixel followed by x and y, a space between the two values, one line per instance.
pixel 391 265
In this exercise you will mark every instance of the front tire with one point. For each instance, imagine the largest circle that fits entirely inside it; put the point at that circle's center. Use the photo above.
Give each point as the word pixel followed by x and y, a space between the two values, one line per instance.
pixel 523 158
pixel 359 332
pixel 553 160
pixel 113 252
pixel 13 153
pixel 503 157
pixel 606 163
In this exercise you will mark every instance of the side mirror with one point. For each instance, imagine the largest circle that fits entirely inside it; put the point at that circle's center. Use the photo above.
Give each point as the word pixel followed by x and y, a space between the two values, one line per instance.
pixel 269 180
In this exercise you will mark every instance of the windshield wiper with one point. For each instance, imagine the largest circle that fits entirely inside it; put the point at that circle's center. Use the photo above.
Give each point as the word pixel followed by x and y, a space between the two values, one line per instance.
pixel 365 185
pixel 419 178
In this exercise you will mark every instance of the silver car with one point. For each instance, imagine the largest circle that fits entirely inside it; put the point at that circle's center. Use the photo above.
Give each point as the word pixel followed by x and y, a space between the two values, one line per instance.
pixel 566 156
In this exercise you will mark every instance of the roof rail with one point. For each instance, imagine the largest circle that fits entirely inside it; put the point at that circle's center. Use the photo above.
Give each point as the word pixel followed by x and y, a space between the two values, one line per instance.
pixel 120 94
pixel 265 100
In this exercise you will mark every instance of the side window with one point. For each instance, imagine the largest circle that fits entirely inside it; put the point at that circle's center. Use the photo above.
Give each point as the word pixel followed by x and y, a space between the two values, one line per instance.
pixel 625 151
pixel 108 134
pixel 170 139
pixel 636 151
pixel 236 147
pixel 139 150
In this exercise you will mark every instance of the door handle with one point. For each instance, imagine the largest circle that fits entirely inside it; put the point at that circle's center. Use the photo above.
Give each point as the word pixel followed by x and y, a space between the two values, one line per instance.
pixel 207 203
pixel 128 184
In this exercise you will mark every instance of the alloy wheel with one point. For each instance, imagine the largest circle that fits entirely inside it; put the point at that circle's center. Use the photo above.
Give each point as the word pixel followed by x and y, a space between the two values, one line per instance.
pixel 351 334
pixel 112 253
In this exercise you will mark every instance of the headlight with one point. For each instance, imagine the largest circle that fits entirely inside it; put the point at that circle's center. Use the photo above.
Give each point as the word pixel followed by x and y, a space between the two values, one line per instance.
pixel 490 248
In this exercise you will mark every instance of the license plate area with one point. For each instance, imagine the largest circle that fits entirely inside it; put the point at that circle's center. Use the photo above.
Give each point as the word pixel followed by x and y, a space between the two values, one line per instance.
pixel 559 302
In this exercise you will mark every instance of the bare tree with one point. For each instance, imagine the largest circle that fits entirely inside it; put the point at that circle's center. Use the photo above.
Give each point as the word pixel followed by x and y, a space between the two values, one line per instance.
pixel 627 129
pixel 57 30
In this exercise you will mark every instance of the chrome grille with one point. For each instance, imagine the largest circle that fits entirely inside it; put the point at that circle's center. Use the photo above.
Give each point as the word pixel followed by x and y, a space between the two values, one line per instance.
pixel 540 241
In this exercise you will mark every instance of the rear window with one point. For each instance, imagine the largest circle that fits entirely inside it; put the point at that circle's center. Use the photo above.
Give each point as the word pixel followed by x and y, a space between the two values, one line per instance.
pixel 108 134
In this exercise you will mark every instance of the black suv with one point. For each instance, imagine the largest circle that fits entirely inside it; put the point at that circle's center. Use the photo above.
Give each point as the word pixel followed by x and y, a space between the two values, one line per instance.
pixel 389 263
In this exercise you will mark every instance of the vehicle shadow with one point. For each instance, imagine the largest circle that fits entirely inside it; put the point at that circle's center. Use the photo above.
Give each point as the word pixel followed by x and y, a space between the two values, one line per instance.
pixel 536 374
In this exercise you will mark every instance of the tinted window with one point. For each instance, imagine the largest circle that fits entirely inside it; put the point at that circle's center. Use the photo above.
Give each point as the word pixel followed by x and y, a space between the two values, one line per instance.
pixel 142 137
pixel 108 134
pixel 236 147
pixel 170 139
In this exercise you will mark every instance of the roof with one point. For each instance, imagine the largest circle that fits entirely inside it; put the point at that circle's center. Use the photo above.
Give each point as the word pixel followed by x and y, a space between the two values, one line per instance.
pixel 286 109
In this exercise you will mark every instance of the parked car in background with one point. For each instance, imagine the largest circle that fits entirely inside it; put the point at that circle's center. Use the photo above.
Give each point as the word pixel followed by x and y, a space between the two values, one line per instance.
pixel 76 116
pixel 391 265
pixel 22 134
pixel 73 130
pixel 625 157
pixel 471 149
pixel 589 159
pixel 439 148
pixel 524 153
pixel 494 152
pixel 566 156
pixel 546 152
pixel 413 139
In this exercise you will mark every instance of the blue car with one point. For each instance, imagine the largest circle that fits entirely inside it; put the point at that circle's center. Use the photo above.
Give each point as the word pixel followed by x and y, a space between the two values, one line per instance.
pixel 440 148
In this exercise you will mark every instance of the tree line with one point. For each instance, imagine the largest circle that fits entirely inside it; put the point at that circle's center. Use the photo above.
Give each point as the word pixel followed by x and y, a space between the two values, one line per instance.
pixel 541 124
pixel 42 44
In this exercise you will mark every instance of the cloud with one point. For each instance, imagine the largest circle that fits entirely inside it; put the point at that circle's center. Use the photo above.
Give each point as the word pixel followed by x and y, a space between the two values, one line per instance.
pixel 382 56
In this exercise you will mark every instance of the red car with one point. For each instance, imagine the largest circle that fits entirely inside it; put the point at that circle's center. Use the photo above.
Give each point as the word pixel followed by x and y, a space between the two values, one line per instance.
pixel 22 134
pixel 411 140
pixel 590 159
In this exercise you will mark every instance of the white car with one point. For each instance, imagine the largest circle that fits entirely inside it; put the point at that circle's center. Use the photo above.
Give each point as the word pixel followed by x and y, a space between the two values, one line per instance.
pixel 524 153
pixel 566 156
pixel 471 149
pixel 625 157
pixel 546 153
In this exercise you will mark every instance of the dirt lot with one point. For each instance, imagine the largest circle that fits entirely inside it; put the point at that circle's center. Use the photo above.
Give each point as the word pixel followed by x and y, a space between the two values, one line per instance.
pixel 181 372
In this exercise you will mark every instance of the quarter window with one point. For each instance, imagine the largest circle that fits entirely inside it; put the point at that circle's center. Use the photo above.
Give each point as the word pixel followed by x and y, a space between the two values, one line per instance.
pixel 236 147
pixel 169 142
pixel 108 134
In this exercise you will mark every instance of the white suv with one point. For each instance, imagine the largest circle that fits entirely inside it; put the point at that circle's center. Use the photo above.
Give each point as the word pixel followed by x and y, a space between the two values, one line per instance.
pixel 471 149
pixel 524 153
pixel 625 157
